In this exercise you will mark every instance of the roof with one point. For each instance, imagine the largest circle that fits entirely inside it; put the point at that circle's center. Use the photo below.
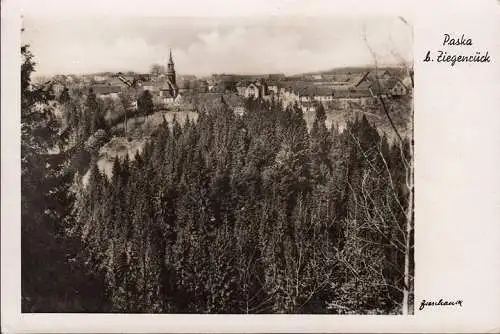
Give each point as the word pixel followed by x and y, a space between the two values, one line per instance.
pixel 385 72
pixel 184 84
pixel 167 93
pixel 362 78
pixel 383 85
pixel 168 86
pixel 309 104
pixel 313 90
pixel 272 82
pixel 106 89
pixel 243 83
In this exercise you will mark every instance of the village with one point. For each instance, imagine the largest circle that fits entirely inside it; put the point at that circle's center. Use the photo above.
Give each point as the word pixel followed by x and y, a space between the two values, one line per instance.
pixel 172 91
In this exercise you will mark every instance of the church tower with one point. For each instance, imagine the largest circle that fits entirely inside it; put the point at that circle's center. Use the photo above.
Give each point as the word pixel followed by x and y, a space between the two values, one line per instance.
pixel 171 70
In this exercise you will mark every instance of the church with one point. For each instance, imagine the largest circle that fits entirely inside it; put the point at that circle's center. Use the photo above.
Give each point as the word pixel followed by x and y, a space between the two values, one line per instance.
pixel 170 92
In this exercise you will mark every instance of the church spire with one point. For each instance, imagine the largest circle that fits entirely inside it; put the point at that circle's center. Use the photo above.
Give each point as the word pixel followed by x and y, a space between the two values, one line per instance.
pixel 171 69
pixel 170 60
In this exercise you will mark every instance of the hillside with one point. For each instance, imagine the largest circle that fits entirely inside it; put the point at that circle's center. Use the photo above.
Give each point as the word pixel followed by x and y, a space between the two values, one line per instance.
pixel 355 69
pixel 139 130
pixel 399 110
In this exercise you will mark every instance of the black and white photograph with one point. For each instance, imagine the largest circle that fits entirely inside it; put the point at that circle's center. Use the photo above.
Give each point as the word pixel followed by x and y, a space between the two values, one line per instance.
pixel 187 165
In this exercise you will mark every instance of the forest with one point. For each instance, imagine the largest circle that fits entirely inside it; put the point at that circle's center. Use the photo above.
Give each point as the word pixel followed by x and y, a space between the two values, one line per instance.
pixel 229 214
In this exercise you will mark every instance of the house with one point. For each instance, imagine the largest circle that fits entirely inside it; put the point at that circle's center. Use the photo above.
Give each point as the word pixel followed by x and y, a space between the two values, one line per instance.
pixel 254 90
pixel 241 87
pixel 323 94
pixel 315 93
pixel 167 96
pixel 106 91
pixel 272 86
pixel 116 81
pixel 288 95
pixel 388 87
pixel 99 78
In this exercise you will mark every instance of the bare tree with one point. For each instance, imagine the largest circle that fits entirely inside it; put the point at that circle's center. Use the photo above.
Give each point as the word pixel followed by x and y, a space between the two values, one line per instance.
pixel 408 165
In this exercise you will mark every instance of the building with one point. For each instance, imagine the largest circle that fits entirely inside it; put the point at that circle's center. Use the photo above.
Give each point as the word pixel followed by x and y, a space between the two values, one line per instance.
pixel 106 91
pixel 388 87
pixel 273 86
pixel 171 77
pixel 254 90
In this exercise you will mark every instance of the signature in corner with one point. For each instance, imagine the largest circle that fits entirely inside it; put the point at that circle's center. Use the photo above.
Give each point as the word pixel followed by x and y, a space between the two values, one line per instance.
pixel 441 302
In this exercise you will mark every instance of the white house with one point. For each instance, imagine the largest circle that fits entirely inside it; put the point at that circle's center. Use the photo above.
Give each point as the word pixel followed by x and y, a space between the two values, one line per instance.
pixel 253 91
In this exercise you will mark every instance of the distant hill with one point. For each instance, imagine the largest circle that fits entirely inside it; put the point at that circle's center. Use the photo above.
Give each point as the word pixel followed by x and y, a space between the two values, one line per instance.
pixel 355 70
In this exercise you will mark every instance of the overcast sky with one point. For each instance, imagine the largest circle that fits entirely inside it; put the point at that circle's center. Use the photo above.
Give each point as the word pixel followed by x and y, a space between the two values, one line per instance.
pixel 203 46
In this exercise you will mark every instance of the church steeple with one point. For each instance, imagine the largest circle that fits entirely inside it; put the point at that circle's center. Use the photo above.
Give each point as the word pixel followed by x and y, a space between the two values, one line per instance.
pixel 170 61
pixel 171 69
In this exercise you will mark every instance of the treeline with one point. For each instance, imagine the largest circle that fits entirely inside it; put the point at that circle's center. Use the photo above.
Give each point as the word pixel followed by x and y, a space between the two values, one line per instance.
pixel 251 214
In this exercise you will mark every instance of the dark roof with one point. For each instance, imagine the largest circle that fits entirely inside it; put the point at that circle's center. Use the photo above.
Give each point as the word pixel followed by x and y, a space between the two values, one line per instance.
pixel 243 83
pixel 313 90
pixel 272 82
pixel 167 93
pixel 106 89
pixel 309 104
pixel 383 85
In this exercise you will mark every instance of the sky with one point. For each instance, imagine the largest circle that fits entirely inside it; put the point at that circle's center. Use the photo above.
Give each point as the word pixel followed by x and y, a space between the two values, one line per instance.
pixel 206 45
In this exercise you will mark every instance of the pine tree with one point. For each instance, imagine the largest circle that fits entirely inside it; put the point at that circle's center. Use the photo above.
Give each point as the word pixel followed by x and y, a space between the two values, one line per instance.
pixel 145 103
pixel 47 278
